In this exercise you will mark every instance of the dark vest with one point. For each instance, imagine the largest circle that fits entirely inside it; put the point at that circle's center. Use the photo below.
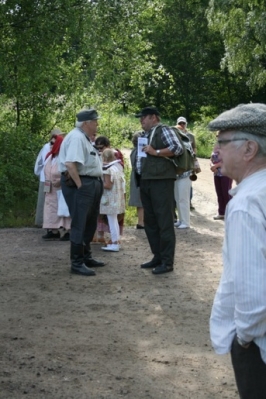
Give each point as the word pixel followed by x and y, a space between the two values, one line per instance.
pixel 157 167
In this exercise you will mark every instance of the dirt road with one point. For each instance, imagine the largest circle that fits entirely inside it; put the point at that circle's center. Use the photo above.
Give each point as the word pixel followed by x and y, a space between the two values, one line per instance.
pixel 124 333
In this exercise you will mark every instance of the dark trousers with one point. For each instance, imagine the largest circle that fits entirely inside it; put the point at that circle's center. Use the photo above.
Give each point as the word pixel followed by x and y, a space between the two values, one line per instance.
pixel 157 197
pixel 83 205
pixel 222 185
pixel 250 371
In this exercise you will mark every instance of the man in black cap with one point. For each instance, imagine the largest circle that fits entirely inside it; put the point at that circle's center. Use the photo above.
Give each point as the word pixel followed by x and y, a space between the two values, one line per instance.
pixel 157 178
pixel 238 318
pixel 82 187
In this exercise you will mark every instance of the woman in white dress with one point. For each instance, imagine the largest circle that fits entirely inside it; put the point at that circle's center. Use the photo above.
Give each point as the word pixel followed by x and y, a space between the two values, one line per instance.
pixel 57 226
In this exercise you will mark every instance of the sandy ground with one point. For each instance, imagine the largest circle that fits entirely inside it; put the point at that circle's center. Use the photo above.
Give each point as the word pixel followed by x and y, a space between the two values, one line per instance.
pixel 124 333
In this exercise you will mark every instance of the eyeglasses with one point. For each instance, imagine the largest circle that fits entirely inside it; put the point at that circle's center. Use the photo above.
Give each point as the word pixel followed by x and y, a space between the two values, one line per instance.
pixel 99 147
pixel 182 123
pixel 226 141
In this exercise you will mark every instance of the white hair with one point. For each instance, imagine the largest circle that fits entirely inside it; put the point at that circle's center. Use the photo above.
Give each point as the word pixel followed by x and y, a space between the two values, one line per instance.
pixel 79 124
pixel 260 140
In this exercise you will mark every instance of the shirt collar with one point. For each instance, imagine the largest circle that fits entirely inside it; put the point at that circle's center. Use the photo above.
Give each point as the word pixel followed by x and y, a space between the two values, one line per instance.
pixel 82 131
pixel 246 181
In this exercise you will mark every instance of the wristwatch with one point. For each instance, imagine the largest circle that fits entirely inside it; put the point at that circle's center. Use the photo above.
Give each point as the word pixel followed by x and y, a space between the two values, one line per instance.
pixel 242 343
pixel 158 152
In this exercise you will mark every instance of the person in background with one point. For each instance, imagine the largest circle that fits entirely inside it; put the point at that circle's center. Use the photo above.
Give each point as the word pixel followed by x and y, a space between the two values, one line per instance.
pixel 82 186
pixel 182 200
pixel 182 125
pixel 134 193
pixel 39 171
pixel 238 316
pixel 183 189
pixel 102 143
pixel 57 226
pixel 157 177
pixel 113 198
pixel 222 184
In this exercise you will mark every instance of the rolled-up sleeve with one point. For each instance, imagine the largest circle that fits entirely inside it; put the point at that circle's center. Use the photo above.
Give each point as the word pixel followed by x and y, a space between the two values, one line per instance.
pixel 172 142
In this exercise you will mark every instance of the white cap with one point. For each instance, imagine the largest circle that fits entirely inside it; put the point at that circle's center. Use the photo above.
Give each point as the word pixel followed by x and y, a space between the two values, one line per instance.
pixel 181 119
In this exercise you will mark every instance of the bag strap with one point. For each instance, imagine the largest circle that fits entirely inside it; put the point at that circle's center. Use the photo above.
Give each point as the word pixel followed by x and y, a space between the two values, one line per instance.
pixel 152 133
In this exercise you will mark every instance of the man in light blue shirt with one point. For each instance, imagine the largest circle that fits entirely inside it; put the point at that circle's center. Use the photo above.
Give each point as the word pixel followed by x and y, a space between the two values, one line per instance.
pixel 238 317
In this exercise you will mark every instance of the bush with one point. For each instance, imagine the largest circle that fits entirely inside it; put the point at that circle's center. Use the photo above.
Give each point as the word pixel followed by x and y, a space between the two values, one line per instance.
pixel 19 185
pixel 118 128
pixel 204 139
pixel 131 212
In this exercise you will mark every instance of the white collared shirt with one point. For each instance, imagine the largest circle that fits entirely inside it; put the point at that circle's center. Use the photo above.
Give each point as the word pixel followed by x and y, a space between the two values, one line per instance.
pixel 76 147
pixel 240 302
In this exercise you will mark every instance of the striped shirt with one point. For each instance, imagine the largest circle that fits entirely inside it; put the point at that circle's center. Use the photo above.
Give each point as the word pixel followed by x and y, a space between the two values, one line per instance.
pixel 240 302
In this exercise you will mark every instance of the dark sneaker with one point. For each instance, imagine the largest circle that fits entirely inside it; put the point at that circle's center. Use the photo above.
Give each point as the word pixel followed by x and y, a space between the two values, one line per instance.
pixel 51 236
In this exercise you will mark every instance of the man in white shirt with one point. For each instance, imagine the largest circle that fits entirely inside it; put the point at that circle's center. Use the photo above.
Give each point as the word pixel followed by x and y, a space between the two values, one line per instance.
pixel 238 317
pixel 82 187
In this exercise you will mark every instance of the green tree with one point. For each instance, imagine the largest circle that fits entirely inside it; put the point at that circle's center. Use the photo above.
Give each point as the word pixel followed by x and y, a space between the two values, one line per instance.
pixel 242 26
pixel 39 69
pixel 55 51
pixel 119 41
pixel 190 54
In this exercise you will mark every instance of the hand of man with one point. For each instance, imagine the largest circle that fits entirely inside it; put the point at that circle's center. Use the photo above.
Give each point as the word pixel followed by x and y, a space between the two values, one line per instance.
pixel 148 149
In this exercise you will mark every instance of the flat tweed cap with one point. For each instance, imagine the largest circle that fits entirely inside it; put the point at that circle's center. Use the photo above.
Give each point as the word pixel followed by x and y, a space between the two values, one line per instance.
pixel 87 115
pixel 249 118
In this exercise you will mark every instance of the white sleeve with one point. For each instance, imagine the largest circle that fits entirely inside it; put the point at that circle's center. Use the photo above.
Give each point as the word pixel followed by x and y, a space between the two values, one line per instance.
pixel 38 164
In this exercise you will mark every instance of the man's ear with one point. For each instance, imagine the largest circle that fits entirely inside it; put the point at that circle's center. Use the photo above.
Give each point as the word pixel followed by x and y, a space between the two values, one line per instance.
pixel 251 150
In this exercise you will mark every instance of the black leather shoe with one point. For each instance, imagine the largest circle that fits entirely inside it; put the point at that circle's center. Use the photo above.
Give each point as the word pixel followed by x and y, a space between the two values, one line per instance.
pixel 83 270
pixel 162 269
pixel 139 227
pixel 93 262
pixel 149 265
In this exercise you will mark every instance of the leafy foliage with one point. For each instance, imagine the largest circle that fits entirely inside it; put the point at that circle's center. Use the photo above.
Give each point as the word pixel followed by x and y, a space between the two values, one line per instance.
pixel 48 61
pixel 242 26
pixel 19 186
pixel 57 56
